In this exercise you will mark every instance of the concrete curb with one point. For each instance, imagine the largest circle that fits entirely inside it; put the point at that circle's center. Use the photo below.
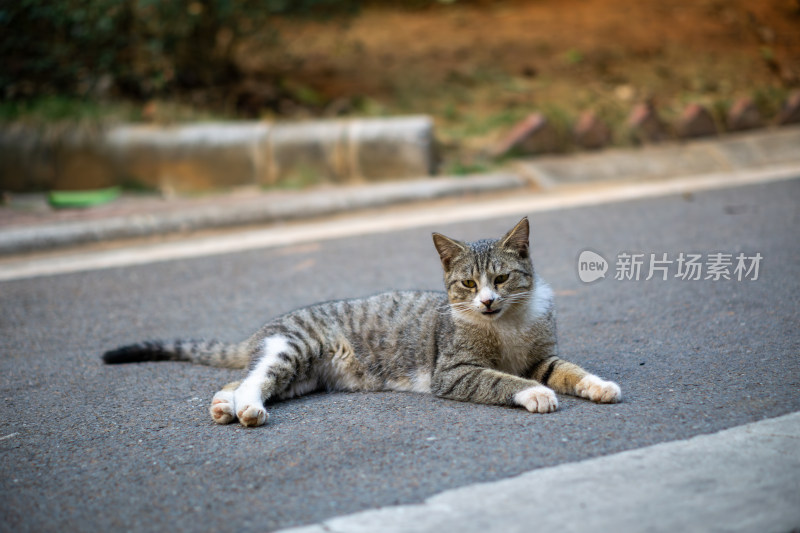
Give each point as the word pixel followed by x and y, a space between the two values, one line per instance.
pixel 740 479
pixel 213 156
pixel 259 209
pixel 723 154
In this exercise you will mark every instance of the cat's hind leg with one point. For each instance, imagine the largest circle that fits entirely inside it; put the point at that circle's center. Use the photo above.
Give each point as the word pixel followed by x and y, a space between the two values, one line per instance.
pixel 273 368
pixel 223 410
pixel 249 396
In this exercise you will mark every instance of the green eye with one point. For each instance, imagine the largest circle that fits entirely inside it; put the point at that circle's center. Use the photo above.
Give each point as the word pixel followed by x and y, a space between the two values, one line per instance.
pixel 468 283
pixel 502 278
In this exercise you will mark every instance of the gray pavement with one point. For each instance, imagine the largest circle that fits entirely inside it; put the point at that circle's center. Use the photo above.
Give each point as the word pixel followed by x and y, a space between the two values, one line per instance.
pixel 740 479
pixel 87 447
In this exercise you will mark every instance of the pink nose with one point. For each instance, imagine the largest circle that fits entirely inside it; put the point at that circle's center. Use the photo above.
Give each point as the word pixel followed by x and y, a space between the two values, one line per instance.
pixel 488 302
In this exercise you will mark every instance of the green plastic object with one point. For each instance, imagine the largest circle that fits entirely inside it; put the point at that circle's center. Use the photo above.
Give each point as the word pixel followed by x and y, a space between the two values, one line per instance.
pixel 91 198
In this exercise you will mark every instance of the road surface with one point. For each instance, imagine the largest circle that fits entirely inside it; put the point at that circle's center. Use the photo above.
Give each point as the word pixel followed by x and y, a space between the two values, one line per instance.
pixel 89 447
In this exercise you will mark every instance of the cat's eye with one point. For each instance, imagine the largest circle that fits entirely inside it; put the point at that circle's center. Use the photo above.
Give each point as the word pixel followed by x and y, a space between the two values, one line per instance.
pixel 468 283
pixel 502 278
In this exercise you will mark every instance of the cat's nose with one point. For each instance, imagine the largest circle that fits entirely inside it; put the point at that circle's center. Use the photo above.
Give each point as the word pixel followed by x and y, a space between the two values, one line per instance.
pixel 487 302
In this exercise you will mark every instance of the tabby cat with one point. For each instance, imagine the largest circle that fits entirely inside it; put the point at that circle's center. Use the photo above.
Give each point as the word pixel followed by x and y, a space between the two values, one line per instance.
pixel 490 339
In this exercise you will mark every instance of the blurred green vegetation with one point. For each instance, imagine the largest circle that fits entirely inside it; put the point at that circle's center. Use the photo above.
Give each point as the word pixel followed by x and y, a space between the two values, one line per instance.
pixel 94 59
pixel 132 48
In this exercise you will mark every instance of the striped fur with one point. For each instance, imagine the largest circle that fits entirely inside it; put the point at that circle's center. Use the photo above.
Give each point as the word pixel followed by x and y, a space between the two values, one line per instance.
pixel 491 338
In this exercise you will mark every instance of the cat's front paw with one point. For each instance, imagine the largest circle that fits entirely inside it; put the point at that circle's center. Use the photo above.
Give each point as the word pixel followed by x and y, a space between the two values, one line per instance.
pixel 598 390
pixel 537 399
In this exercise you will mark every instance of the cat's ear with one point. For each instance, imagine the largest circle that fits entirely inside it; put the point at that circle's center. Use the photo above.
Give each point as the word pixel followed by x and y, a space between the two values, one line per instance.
pixel 517 239
pixel 448 249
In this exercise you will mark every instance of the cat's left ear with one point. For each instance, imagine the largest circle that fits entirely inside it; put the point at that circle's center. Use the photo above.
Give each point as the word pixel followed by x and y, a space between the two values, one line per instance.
pixel 517 239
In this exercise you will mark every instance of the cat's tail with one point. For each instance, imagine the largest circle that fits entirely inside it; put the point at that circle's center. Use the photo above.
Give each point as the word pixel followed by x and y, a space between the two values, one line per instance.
pixel 210 353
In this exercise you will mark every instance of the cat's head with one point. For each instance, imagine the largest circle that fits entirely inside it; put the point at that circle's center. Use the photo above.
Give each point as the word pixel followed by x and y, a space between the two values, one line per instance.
pixel 487 279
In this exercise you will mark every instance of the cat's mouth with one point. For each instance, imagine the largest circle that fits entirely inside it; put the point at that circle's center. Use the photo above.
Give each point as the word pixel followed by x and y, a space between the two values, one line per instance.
pixel 487 312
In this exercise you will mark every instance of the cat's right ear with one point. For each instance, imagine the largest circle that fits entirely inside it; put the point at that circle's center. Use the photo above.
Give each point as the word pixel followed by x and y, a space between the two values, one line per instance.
pixel 448 249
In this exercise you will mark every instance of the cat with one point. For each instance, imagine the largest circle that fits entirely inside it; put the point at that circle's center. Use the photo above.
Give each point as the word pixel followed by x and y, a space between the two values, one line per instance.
pixel 490 339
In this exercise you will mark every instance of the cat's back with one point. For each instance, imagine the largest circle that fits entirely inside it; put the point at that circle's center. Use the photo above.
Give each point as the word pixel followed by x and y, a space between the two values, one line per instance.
pixel 379 314
pixel 396 319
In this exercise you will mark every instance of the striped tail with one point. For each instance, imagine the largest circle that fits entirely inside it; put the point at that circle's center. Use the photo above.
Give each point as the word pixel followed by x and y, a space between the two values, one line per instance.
pixel 209 353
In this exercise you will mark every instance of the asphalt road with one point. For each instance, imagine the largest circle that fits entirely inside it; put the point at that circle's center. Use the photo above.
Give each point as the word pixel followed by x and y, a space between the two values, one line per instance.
pixel 87 447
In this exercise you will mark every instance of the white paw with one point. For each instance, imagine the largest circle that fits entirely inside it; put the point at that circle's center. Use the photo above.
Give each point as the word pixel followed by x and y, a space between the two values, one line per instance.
pixel 249 406
pixel 252 415
pixel 250 410
pixel 537 399
pixel 598 390
pixel 222 411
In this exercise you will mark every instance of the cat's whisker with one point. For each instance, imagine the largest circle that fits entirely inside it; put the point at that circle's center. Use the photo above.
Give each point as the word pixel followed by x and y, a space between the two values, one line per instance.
pixel 522 294
pixel 512 300
pixel 458 304
pixel 459 307
pixel 516 297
